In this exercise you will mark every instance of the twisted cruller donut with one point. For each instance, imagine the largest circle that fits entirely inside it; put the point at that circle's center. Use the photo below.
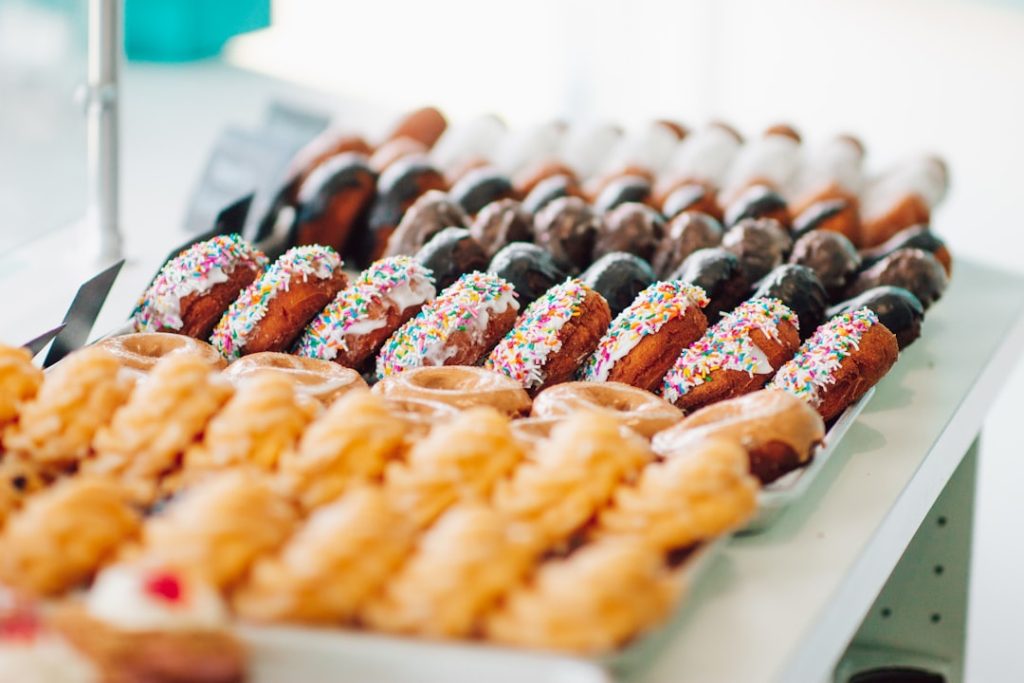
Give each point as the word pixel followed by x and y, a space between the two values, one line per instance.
pixel 692 497
pixel 19 381
pixel 192 290
pixel 270 314
pixel 839 363
pixel 459 459
pixel 140 351
pixel 645 339
pixel 460 386
pixel 341 555
pixel 461 566
pixel 585 458
pixel 162 418
pixel 63 535
pixel 778 431
pixel 220 527
pixel 456 328
pixel 20 478
pixel 641 411
pixel 316 379
pixel 350 444
pixel 419 414
pixel 55 429
pixel 599 597
pixel 737 355
pixel 362 316
pixel 552 337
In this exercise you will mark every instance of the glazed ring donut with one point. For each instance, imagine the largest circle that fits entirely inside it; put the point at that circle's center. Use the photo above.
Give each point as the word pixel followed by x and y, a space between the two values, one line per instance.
pixel 644 340
pixel 635 408
pixel 459 386
pixel 360 319
pixel 192 290
pixel 457 328
pixel 839 363
pixel 272 312
pixel 737 355
pixel 778 431
pixel 552 337
pixel 140 351
pixel 318 379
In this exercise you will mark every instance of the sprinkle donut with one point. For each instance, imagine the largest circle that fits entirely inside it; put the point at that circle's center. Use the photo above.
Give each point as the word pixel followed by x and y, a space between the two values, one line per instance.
pixel 645 339
pixel 552 337
pixel 735 356
pixel 839 363
pixel 192 290
pixel 363 315
pixel 272 312
pixel 457 328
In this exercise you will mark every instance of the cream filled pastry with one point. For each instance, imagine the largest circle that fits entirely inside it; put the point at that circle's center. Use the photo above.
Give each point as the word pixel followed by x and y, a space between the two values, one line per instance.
pixel 31 651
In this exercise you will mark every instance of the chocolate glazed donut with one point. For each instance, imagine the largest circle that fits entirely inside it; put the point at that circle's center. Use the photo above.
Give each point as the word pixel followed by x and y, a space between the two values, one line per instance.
pixel 567 228
pixel 685 234
pixel 897 308
pixel 332 200
pixel 528 268
pixel 916 237
pixel 761 244
pixel 619 277
pixel 913 269
pixel 719 273
pixel 631 227
pixel 480 187
pixel 429 215
pixel 831 256
pixel 451 253
pixel 758 201
pixel 801 290
pixel 550 189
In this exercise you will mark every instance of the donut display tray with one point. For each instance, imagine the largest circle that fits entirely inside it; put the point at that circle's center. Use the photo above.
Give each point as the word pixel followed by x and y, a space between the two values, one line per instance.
pixel 780 494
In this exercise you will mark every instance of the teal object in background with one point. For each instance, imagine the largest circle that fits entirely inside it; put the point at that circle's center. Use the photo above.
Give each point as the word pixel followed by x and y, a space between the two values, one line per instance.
pixel 182 30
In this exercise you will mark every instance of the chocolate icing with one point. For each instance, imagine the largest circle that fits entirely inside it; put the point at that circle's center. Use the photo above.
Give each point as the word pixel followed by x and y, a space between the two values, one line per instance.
pixel 619 277
pixel 480 187
pixel 915 237
pixel 567 228
pixel 831 256
pixel 430 214
pixel 631 227
pixel 683 198
pixel 758 201
pixel 529 268
pixel 685 234
pixel 451 253
pixel 817 214
pixel 897 308
pixel 547 191
pixel 913 269
pixel 338 173
pixel 719 273
pixel 800 289
pixel 761 244
pixel 628 188
pixel 500 223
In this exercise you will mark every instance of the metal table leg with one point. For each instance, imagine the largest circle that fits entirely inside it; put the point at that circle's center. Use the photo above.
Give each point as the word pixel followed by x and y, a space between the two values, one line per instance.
pixel 919 619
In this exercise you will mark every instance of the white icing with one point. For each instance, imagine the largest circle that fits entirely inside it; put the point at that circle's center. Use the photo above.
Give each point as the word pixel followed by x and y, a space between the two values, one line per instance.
pixel 651 147
pixel 921 176
pixel 585 147
pixel 460 143
pixel 526 146
pixel 415 292
pixel 440 351
pixel 705 155
pixel 364 326
pixel 772 158
pixel 44 658
pixel 119 597
pixel 837 162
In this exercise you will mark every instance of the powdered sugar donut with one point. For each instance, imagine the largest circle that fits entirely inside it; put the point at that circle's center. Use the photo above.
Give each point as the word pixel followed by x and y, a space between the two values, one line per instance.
pixel 192 290
pixel 363 315
pixel 552 337
pixel 456 328
pixel 271 313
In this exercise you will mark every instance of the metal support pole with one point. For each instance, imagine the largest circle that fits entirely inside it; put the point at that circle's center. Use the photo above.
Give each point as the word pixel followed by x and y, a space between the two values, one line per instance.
pixel 102 109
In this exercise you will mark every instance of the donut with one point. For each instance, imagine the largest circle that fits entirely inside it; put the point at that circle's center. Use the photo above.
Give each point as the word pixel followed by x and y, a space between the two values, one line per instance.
pixel 527 179
pixel 901 197
pixel 528 268
pixel 327 144
pixel 618 277
pixel 916 237
pixel 393 151
pixel 771 160
pixel 192 290
pixel 318 379
pixel 640 410
pixel 645 339
pixel 567 228
pixel 831 256
pixel 428 215
pixel 424 125
pixel 352 328
pixel 552 337
pixel 20 381
pixel 704 157
pixel 459 327
pixel 899 310
pixel 685 234
pixel 839 363
pixel 548 191
pixel 332 199
pixel 801 291
pixel 678 196
pixel 719 274
pixel 778 431
pixel 621 190
pixel 460 386
pixel 761 244
pixel 586 146
pixel 451 254
pixel 271 313
pixel 140 351
pixel 833 215
pixel 833 171
pixel 758 201
pixel 479 187
pixel 915 270
pixel 737 355
pixel 419 414
pixel 630 227
pixel 501 223
pixel 474 138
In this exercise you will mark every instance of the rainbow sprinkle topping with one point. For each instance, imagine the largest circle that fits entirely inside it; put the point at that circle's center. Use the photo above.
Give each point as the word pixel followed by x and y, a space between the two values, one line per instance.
pixel 523 353
pixel 817 361
pixel 727 346
pixel 242 316
pixel 398 280
pixel 195 270
pixel 465 306
pixel 652 308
